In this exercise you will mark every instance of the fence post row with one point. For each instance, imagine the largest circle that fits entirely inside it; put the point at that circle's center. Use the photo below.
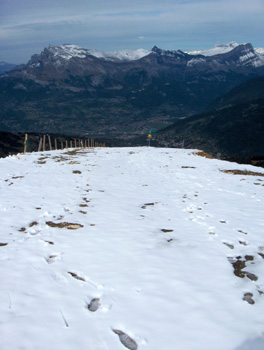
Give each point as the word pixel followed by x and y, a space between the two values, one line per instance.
pixel 86 143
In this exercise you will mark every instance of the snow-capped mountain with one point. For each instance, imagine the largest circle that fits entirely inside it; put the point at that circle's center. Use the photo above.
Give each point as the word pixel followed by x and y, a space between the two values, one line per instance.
pixel 248 55
pixel 68 51
pixel 216 50
pixel 120 90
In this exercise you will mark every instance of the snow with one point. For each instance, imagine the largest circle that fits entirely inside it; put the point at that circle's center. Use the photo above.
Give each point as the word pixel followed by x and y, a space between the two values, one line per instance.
pixel 259 50
pixel 259 61
pixel 247 56
pixel 123 55
pixel 216 50
pixel 196 61
pixel 68 51
pixel 147 261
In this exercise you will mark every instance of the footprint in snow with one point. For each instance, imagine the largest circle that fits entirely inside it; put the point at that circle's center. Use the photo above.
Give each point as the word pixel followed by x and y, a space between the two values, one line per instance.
pixel 126 340
pixel 53 258
pixel 94 305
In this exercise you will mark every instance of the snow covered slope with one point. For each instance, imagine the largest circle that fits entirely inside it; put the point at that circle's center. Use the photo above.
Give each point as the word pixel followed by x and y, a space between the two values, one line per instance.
pixel 254 57
pixel 216 50
pixel 130 248
pixel 68 51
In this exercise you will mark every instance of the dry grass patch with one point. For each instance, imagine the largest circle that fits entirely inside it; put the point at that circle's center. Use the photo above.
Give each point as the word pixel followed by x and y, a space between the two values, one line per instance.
pixel 75 152
pixel 242 172
pixel 68 225
pixel 202 154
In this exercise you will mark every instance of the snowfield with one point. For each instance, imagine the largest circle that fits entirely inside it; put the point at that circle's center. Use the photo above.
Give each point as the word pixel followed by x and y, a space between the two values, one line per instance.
pixel 130 248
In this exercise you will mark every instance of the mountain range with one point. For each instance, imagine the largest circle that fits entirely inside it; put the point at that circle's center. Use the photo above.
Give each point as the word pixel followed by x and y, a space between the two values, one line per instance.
pixel 72 90
pixel 79 90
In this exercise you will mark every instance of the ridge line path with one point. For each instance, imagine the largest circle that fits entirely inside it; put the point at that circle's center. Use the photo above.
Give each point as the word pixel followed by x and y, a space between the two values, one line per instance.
pixel 138 248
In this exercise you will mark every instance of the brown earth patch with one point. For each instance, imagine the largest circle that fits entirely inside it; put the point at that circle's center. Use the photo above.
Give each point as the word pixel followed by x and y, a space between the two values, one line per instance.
pixel 34 223
pixel 242 172
pixel 74 275
pixel 239 265
pixel 68 225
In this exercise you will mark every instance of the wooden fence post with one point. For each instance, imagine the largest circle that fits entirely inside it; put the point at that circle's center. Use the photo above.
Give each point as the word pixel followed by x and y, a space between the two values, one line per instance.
pixel 71 143
pixel 55 141
pixel 25 143
pixel 44 143
pixel 50 147
pixel 66 144
pixel 75 143
pixel 40 144
pixel 61 144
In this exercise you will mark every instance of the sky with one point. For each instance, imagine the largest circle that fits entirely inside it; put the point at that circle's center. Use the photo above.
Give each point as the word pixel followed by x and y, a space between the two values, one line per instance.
pixel 27 26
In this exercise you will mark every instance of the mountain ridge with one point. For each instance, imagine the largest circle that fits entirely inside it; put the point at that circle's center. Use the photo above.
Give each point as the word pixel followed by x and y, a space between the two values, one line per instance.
pixel 78 93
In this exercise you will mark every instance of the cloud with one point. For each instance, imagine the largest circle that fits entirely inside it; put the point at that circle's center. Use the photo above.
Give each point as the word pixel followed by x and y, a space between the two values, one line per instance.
pixel 108 25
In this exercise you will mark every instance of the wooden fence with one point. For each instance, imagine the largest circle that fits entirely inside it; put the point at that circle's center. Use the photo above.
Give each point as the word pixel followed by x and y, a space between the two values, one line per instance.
pixel 46 143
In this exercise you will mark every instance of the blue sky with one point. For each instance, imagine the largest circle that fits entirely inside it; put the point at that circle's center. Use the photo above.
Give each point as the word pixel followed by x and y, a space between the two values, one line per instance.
pixel 27 26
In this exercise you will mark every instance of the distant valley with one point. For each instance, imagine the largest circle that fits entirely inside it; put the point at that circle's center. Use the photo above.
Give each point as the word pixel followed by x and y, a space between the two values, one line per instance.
pixel 70 90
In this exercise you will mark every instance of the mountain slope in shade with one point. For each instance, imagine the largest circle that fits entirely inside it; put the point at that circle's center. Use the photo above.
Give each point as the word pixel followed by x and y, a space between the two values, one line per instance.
pixel 251 89
pixel 6 67
pixel 235 128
